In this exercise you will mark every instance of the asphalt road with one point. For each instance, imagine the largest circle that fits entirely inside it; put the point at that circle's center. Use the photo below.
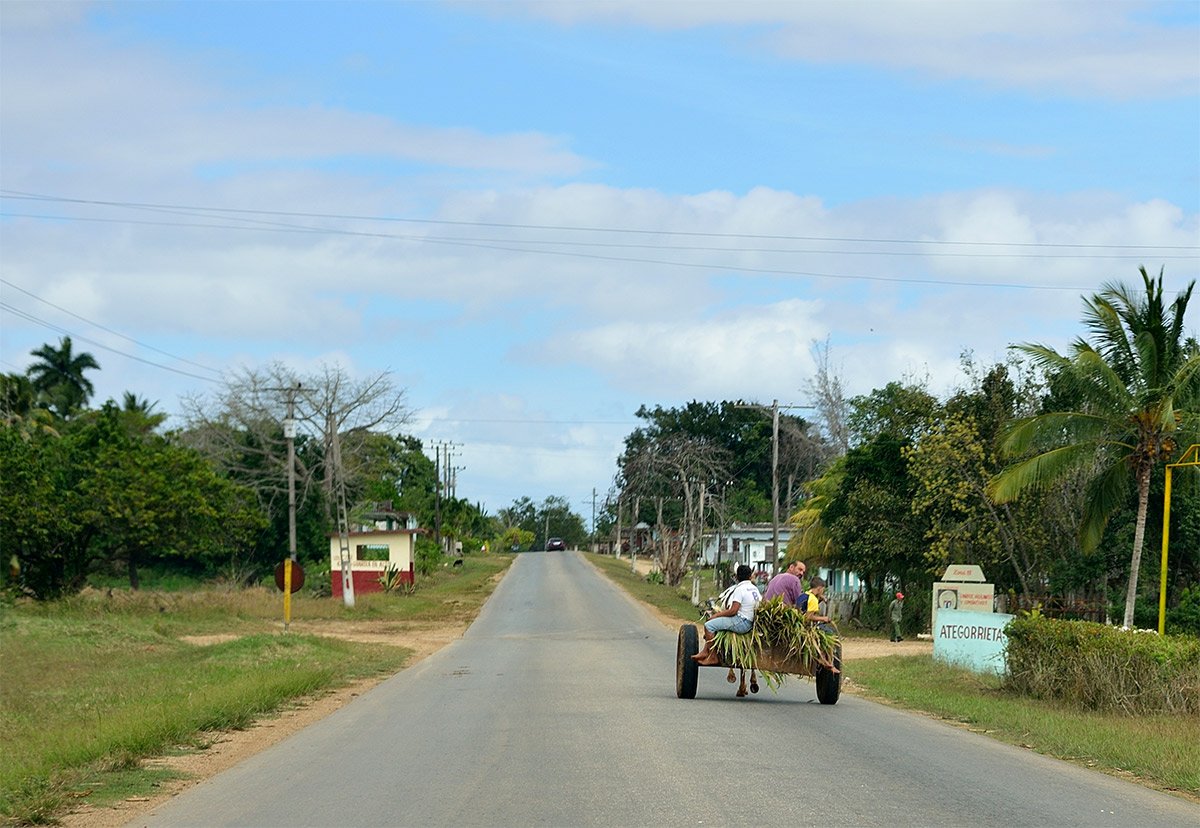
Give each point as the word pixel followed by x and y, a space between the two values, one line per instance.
pixel 558 708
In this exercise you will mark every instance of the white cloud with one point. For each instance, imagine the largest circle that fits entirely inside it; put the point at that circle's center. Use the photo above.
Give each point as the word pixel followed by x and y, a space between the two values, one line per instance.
pixel 741 354
pixel 1113 49
pixel 63 88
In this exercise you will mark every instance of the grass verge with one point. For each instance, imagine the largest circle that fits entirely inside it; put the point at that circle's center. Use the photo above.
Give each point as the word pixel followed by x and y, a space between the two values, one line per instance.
pixel 673 601
pixel 96 683
pixel 1158 751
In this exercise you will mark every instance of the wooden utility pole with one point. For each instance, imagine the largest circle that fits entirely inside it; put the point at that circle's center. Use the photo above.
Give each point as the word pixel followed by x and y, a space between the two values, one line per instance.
pixel 618 547
pixel 774 409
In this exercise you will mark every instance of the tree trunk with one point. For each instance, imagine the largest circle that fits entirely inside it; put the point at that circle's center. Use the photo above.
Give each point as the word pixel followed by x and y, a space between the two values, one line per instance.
pixel 134 581
pixel 1139 534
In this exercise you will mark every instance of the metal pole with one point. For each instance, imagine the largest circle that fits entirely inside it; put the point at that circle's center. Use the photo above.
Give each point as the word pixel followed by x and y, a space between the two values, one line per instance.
pixel 774 484
pixel 1193 453
pixel 1162 583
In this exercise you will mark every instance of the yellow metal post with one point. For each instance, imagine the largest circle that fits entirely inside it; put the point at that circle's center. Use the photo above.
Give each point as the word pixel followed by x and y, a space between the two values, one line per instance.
pixel 1193 453
pixel 287 592
pixel 1162 582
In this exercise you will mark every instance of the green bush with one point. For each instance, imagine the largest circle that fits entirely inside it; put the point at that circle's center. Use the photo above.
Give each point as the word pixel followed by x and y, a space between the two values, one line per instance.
pixel 429 556
pixel 1185 618
pixel 1096 667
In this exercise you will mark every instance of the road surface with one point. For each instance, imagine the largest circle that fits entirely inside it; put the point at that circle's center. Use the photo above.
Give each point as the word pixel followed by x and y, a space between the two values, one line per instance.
pixel 558 708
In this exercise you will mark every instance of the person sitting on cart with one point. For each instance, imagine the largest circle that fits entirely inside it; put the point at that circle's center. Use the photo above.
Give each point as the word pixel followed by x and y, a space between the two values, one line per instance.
pixel 787 584
pixel 812 612
pixel 737 617
pixel 810 604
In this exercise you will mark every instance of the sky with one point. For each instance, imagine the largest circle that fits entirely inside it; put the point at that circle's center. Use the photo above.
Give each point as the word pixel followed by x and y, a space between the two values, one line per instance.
pixel 540 216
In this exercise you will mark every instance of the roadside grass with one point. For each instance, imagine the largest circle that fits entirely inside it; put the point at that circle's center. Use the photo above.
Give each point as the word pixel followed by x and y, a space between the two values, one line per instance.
pixel 675 601
pixel 94 684
pixel 1158 751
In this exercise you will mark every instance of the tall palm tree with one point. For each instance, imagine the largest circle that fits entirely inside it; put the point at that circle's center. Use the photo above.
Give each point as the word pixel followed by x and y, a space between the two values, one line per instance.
pixel 1138 390
pixel 59 377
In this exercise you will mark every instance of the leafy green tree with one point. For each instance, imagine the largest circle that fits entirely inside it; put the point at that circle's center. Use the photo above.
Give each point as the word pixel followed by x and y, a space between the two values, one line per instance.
pixel 59 377
pixel 903 411
pixel 17 397
pixel 39 512
pixel 514 539
pixel 533 518
pixel 732 429
pixel 870 518
pixel 144 497
pixel 1138 383
pixel 556 516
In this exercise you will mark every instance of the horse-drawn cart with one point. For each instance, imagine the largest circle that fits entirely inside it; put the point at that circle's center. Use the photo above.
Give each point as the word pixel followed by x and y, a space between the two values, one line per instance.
pixel 771 660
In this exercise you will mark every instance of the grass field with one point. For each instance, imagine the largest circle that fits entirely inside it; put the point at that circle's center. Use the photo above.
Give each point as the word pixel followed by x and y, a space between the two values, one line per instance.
pixel 1159 751
pixel 95 683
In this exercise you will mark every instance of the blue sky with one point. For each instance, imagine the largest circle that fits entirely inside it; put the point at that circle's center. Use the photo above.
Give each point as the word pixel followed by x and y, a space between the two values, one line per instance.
pixel 540 216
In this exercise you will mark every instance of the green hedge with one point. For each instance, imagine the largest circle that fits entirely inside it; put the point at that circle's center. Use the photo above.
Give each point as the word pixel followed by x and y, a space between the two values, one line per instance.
pixel 1096 667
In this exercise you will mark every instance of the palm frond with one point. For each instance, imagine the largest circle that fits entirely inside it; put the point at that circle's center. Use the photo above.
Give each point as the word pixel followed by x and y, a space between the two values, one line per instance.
pixel 1045 431
pixel 1107 492
pixel 1038 471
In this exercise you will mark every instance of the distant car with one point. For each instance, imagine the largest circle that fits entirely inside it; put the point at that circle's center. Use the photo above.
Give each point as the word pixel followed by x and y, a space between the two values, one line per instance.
pixel 555 544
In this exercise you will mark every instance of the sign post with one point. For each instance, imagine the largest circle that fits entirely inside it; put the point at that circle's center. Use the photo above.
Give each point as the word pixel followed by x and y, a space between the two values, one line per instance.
pixel 289 578
pixel 963 587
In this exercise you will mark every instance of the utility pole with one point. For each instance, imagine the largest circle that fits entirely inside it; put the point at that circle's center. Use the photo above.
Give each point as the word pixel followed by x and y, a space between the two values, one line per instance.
pixel 618 547
pixel 437 494
pixel 289 431
pixel 339 484
pixel 633 524
pixel 593 519
pixel 774 409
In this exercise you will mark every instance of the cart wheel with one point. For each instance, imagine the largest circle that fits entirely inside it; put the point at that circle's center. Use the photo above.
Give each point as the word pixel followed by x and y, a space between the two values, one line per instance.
pixel 686 670
pixel 829 683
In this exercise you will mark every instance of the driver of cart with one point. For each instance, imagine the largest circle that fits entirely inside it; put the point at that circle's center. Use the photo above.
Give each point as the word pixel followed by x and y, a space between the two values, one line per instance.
pixel 786 584
pixel 738 615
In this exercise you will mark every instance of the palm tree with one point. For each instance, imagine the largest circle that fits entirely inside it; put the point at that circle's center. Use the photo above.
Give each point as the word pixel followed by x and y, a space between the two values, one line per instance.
pixel 59 376
pixel 139 415
pixel 1138 390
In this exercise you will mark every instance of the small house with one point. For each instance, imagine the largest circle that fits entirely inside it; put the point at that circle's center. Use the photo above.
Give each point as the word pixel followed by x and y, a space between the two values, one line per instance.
pixel 380 539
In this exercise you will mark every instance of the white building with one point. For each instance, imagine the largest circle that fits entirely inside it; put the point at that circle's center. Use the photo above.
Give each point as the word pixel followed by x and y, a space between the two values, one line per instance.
pixel 751 543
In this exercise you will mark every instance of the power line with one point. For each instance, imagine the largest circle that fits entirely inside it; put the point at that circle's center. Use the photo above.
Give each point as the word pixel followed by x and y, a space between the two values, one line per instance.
pixel 106 329
pixel 469 241
pixel 532 422
pixel 572 228
pixel 507 248
pixel 36 320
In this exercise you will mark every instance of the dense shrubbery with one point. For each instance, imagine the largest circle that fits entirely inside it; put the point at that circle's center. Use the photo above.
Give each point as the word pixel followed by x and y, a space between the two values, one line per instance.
pixel 428 555
pixel 1097 667
pixel 1185 618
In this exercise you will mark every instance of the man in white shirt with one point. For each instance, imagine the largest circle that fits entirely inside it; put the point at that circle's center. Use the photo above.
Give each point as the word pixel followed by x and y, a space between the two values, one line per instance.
pixel 738 615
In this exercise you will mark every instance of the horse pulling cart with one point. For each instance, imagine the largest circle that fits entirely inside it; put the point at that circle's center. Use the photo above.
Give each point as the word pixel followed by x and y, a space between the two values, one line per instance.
pixel 771 660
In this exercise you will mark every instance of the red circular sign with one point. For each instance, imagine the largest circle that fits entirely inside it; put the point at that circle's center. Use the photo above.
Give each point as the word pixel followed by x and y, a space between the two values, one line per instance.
pixel 297 576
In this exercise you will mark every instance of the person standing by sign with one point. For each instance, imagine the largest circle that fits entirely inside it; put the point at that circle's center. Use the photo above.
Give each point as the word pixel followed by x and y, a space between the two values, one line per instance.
pixel 896 611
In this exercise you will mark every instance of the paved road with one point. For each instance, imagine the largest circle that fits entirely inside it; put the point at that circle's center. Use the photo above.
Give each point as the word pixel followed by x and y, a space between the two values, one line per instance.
pixel 558 708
